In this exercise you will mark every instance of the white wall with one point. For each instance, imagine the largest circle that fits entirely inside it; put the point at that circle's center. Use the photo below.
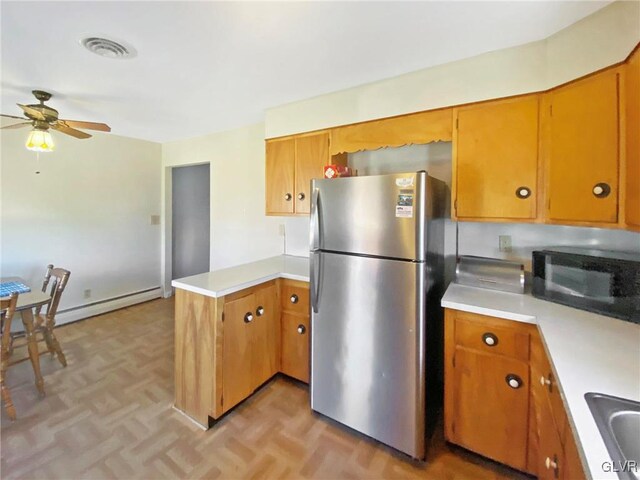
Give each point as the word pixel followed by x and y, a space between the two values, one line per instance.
pixel 240 231
pixel 87 211
pixel 602 39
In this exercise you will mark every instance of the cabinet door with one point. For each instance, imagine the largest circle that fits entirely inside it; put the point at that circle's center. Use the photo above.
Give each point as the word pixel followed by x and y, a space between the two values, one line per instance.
pixel 279 176
pixel 312 154
pixel 497 159
pixel 237 375
pixel 632 105
pixel 583 161
pixel 490 415
pixel 295 346
pixel 266 335
pixel 551 456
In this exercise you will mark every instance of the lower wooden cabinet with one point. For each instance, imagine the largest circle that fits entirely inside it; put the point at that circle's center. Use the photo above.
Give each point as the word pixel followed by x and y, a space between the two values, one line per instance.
pixel 250 353
pixel 295 346
pixel 501 398
pixel 295 329
pixel 227 347
pixel 491 395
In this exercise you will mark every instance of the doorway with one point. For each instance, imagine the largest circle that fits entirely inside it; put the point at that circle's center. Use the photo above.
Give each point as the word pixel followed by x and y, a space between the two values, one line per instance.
pixel 190 230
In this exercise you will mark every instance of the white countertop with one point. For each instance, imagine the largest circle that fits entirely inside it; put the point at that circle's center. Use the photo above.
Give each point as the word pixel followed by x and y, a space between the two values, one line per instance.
pixel 230 280
pixel 589 353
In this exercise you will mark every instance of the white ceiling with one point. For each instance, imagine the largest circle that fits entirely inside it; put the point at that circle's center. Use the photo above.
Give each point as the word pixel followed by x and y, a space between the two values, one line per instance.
pixel 204 67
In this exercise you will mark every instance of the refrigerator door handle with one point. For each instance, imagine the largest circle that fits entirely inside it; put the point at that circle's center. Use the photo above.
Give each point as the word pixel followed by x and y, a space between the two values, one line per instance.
pixel 315 274
pixel 314 230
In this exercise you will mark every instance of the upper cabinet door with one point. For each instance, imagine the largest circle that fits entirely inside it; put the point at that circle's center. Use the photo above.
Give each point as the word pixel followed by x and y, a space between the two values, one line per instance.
pixel 497 160
pixel 583 151
pixel 312 154
pixel 279 176
pixel 632 107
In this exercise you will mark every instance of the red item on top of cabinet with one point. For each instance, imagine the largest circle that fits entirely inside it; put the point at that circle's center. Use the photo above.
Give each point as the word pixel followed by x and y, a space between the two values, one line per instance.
pixel 335 171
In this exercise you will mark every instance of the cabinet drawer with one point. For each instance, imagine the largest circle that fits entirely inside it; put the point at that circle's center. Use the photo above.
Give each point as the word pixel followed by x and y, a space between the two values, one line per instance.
pixel 294 297
pixel 491 335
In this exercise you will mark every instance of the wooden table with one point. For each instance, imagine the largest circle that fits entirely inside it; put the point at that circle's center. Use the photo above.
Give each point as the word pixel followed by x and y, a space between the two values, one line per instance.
pixel 26 303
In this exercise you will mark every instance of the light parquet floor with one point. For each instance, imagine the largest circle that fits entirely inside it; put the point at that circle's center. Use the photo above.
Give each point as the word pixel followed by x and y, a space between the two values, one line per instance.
pixel 108 415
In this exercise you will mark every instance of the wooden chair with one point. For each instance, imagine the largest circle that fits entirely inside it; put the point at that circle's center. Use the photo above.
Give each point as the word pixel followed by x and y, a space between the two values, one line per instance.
pixel 7 309
pixel 44 323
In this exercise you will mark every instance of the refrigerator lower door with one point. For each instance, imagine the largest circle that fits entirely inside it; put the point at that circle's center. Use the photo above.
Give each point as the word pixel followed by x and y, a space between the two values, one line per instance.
pixel 367 348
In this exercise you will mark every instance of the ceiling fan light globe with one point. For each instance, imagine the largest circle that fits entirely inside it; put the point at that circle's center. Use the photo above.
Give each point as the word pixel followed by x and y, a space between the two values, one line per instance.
pixel 40 141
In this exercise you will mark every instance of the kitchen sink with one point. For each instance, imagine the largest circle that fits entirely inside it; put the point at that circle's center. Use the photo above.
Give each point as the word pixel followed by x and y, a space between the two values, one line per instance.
pixel 618 420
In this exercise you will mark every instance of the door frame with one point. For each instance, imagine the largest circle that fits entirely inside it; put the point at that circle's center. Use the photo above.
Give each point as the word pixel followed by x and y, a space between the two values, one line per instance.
pixel 166 223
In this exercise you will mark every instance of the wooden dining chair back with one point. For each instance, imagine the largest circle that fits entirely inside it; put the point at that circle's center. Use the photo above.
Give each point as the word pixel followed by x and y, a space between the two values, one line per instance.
pixel 7 309
pixel 58 278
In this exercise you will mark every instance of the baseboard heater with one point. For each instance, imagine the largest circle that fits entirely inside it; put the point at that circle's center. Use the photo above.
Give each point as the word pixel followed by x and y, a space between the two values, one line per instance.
pixel 80 312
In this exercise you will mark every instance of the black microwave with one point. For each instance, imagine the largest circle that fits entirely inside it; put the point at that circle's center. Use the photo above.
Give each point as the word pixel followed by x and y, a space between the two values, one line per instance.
pixel 600 281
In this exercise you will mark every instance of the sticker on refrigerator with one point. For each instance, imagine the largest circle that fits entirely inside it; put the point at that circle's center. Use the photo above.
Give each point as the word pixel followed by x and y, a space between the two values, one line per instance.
pixel 404 206
pixel 404 182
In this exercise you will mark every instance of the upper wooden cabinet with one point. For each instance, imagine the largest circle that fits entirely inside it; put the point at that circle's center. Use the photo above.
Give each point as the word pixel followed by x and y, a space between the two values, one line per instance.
pixel 583 146
pixel 312 154
pixel 280 170
pixel 416 128
pixel 496 160
pixel 632 117
pixel 291 165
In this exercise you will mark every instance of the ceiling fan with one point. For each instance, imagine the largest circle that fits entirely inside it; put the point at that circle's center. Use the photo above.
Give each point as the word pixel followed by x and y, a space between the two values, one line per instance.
pixel 42 117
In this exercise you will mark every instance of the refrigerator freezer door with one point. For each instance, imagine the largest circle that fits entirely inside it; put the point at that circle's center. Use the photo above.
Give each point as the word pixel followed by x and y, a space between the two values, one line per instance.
pixel 367 348
pixel 378 215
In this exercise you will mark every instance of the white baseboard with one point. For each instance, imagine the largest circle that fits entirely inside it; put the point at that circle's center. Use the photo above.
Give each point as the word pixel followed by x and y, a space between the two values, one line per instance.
pixel 105 306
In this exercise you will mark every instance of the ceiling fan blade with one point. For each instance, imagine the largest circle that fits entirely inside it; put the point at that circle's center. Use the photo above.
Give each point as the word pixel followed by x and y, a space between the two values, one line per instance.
pixel 70 131
pixel 16 125
pixel 32 111
pixel 13 116
pixel 103 127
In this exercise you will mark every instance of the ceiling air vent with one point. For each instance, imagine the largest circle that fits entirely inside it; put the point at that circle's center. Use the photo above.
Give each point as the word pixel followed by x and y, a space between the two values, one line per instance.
pixel 106 47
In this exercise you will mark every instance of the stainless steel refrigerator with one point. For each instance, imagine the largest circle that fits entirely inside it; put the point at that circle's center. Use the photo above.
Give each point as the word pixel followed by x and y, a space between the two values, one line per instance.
pixel 376 280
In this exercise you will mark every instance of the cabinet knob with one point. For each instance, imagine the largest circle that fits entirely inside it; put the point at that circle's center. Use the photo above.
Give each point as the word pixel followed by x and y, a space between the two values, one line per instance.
pixel 514 381
pixel 523 192
pixel 260 311
pixel 301 196
pixel 287 197
pixel 248 317
pixel 552 464
pixel 490 339
pixel 294 298
pixel 601 190
pixel 301 329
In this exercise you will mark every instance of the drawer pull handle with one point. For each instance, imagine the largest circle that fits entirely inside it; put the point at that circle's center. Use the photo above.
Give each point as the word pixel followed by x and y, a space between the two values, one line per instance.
pixel 301 196
pixel 514 381
pixel 601 190
pixel 490 339
pixel 301 329
pixel 260 311
pixel 287 196
pixel 248 317
pixel 294 298
pixel 523 192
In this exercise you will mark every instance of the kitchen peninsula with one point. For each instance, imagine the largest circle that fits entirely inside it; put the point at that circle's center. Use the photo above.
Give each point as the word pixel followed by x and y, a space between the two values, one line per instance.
pixel 237 327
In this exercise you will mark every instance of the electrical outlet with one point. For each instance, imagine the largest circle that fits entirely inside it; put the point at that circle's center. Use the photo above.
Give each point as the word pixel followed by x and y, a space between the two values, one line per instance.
pixel 87 293
pixel 281 230
pixel 504 243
